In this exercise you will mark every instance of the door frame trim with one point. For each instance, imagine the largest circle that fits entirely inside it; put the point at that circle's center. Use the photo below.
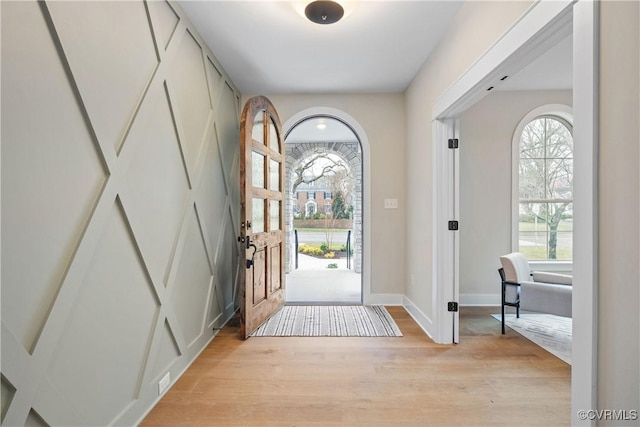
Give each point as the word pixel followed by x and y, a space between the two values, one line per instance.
pixel 366 181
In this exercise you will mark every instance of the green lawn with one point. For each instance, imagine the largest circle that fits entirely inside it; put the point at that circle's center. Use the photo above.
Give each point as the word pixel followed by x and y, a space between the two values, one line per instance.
pixel 540 253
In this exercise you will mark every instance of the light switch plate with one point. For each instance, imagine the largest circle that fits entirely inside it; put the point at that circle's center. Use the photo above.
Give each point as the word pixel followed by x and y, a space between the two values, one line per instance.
pixel 391 203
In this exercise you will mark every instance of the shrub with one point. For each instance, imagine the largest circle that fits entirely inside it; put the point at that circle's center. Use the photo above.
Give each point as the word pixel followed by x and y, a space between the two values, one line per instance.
pixel 332 265
pixel 324 247
pixel 330 255
pixel 310 250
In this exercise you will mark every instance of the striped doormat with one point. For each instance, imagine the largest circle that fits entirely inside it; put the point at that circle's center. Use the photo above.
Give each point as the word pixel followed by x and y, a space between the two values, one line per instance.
pixel 330 321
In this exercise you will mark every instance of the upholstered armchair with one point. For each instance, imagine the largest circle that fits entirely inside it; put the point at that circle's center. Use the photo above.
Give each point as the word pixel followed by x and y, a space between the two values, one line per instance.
pixel 537 291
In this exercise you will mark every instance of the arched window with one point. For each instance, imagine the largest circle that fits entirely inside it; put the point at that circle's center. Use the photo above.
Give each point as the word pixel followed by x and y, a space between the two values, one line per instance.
pixel 544 178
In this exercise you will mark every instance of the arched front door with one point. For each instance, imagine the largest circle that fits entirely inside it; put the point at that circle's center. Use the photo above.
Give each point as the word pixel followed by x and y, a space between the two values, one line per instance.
pixel 261 210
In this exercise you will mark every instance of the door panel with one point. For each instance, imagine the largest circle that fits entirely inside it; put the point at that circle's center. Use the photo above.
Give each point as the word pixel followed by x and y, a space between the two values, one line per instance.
pixel 261 233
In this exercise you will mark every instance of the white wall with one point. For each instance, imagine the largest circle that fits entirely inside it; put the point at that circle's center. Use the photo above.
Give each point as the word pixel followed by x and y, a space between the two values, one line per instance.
pixel 475 28
pixel 382 118
pixel 619 280
pixel 119 199
pixel 486 132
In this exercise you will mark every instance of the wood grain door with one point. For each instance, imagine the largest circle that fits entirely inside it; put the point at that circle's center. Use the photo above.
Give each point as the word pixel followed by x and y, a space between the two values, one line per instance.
pixel 261 205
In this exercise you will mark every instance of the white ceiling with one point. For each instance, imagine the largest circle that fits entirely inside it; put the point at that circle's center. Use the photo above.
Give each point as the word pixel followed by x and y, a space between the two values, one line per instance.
pixel 553 70
pixel 270 47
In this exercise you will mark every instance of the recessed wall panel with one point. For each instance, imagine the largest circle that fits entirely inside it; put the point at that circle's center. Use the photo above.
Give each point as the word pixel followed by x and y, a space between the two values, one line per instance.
pixel 157 181
pixel 227 126
pixel 212 194
pixel 112 57
pixel 164 21
pixel 214 81
pixel 8 391
pixel 216 307
pixel 168 352
pixel 35 420
pixel 190 95
pixel 227 261
pixel 191 287
pixel 52 173
pixel 104 345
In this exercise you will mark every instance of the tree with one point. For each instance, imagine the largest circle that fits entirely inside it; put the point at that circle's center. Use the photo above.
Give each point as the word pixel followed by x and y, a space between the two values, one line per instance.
pixel 546 175
pixel 338 207
pixel 317 166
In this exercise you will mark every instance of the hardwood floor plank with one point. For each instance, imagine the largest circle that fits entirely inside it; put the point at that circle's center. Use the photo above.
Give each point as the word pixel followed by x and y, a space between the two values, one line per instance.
pixel 487 379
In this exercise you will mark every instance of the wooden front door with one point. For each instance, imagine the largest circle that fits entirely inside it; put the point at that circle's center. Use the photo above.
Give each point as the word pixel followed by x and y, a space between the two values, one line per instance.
pixel 262 213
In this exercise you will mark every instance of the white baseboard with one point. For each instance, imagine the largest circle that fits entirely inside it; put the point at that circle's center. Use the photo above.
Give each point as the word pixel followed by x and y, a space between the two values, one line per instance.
pixel 480 299
pixel 421 319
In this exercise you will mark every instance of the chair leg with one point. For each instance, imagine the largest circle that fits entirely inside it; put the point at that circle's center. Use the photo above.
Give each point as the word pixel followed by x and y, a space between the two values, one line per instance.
pixel 503 289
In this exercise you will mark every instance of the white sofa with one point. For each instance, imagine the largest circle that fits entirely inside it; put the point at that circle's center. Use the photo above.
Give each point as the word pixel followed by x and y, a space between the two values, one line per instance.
pixel 541 292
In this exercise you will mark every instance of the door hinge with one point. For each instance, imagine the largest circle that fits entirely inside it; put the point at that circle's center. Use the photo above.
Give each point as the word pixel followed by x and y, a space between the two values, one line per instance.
pixel 453 143
pixel 453 225
pixel 452 306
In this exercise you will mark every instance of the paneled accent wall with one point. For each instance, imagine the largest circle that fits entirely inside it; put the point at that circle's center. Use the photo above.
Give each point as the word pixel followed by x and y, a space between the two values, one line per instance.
pixel 120 197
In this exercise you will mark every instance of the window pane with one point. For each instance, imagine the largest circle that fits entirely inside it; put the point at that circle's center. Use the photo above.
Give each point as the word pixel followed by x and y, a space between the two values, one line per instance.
pixel 533 245
pixel 532 140
pixel 257 132
pixel 531 224
pixel 558 139
pixel 564 245
pixel 533 217
pixel 566 220
pixel 257 170
pixel 532 178
pixel 559 179
pixel 274 175
pixel 274 215
pixel 273 137
pixel 258 215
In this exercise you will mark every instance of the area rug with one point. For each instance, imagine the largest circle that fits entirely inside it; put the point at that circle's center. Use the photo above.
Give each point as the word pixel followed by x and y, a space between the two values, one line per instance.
pixel 330 321
pixel 553 333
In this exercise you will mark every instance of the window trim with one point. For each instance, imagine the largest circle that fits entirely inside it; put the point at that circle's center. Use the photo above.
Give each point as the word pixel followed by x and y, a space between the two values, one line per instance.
pixel 560 112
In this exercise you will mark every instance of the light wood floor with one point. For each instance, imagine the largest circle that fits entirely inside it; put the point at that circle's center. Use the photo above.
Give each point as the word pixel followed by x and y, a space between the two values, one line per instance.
pixel 487 379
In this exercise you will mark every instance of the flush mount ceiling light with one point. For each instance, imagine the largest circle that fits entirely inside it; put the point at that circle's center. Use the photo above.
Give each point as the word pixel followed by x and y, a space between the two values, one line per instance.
pixel 324 11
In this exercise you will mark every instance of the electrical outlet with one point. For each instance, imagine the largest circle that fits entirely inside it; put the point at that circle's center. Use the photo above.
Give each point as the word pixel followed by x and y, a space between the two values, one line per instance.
pixel 164 383
pixel 391 203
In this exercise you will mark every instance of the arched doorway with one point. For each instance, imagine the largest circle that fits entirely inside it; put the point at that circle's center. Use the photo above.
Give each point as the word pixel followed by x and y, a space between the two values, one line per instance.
pixel 328 137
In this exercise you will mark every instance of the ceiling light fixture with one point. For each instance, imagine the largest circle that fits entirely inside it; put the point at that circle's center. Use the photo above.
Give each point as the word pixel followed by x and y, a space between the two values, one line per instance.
pixel 324 12
pixel 321 126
